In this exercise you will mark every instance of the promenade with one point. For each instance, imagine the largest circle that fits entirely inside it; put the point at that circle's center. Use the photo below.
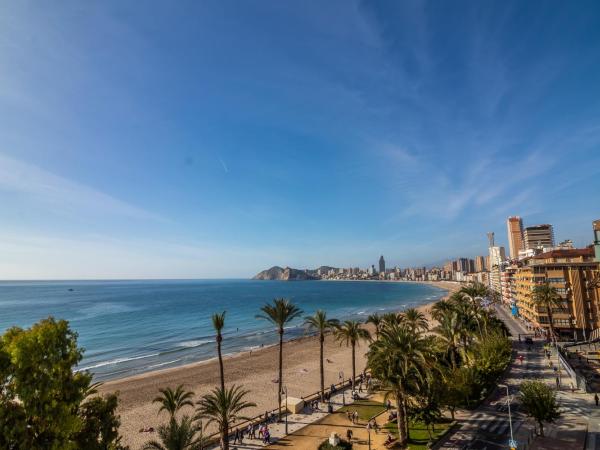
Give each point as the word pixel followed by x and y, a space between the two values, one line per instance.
pixel 296 422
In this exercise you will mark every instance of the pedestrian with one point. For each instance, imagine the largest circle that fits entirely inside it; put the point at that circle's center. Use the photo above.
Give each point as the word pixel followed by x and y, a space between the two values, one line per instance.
pixel 388 405
pixel 596 399
pixel 557 383
pixel 267 437
pixel 241 436
pixel 349 434
pixel 236 435
pixel 355 417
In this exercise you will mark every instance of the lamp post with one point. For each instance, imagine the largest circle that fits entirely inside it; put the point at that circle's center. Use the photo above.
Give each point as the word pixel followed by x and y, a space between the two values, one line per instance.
pixel 285 391
pixel 512 441
pixel 341 377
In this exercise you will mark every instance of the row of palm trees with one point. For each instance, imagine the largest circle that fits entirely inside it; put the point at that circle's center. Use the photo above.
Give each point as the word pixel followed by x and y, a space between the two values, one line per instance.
pixel 400 356
pixel 413 362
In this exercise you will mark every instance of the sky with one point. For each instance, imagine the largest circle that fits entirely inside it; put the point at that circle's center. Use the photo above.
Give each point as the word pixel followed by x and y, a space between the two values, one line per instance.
pixel 215 139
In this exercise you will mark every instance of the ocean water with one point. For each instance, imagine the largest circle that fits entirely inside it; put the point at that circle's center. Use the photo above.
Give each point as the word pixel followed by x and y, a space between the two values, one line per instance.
pixel 129 327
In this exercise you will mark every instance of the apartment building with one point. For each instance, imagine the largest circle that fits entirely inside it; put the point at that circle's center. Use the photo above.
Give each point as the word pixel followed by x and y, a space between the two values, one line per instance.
pixel 571 272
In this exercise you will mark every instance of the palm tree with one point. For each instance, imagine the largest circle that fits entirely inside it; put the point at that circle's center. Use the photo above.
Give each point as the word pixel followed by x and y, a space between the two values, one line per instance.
pixel 414 320
pixel 184 435
pixel 223 407
pixel 449 333
pixel 377 321
pixel 400 361
pixel 173 400
pixel 390 319
pixel 475 290
pixel 218 321
pixel 546 296
pixel 441 308
pixel 349 333
pixel 280 313
pixel 322 324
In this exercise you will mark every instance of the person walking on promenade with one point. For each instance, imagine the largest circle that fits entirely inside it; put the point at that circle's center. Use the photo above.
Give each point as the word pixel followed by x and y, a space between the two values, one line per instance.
pixel 349 434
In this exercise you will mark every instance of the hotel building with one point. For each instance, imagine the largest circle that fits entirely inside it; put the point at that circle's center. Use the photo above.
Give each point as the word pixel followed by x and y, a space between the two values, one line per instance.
pixel 538 237
pixel 515 236
pixel 497 257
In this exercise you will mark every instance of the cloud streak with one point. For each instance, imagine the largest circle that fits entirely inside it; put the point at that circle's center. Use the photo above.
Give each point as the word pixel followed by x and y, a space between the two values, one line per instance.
pixel 61 194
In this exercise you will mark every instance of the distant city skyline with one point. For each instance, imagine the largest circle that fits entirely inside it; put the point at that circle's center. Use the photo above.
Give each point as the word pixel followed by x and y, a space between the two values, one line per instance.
pixel 216 139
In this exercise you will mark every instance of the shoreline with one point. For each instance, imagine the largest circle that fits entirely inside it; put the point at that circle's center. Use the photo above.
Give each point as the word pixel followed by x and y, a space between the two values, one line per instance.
pixel 448 286
pixel 255 370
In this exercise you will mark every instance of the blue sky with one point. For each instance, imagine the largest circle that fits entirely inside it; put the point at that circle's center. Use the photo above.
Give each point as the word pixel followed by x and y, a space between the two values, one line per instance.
pixel 214 139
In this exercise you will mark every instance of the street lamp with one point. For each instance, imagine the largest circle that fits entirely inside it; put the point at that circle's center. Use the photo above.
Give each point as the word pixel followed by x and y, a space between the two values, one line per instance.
pixel 341 377
pixel 512 440
pixel 285 391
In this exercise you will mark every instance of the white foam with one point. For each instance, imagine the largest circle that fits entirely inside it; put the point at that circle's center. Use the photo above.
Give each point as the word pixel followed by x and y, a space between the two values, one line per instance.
pixel 195 343
pixel 116 361
pixel 153 366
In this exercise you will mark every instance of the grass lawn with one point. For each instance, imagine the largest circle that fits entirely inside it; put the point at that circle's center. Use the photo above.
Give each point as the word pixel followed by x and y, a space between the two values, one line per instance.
pixel 366 409
pixel 418 437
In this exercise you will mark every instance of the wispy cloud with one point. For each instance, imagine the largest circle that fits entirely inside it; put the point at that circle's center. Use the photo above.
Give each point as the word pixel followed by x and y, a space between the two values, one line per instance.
pixel 61 194
pixel 225 168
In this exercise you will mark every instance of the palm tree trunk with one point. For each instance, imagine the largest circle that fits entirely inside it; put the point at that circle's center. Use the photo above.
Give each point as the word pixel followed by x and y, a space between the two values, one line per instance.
pixel 402 437
pixel 280 369
pixel 353 363
pixel 551 320
pixel 221 371
pixel 453 357
pixel 405 424
pixel 322 369
pixel 225 437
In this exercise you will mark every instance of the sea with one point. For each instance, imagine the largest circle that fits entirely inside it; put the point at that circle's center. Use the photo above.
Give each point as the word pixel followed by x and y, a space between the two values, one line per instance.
pixel 131 327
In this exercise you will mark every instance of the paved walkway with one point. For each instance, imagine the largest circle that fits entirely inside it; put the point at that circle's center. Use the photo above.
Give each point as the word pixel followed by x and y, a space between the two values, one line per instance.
pixel 296 421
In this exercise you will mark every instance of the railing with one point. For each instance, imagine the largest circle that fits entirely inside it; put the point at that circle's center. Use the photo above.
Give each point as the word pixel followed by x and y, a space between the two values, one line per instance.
pixel 579 381
pixel 215 437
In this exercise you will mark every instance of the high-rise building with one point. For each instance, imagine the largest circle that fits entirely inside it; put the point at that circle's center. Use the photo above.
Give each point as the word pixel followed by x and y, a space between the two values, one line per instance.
pixel 381 264
pixel 480 264
pixel 539 236
pixel 596 226
pixel 515 236
pixel 462 265
pixel 497 258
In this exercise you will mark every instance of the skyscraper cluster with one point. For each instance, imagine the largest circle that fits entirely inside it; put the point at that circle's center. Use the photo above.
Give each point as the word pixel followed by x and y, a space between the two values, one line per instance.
pixel 535 259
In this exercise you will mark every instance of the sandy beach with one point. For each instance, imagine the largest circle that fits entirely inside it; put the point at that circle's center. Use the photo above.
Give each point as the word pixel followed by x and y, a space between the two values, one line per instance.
pixel 256 371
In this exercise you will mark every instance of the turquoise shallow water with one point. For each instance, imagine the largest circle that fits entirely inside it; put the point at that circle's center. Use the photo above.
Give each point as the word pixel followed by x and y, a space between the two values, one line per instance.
pixel 129 327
